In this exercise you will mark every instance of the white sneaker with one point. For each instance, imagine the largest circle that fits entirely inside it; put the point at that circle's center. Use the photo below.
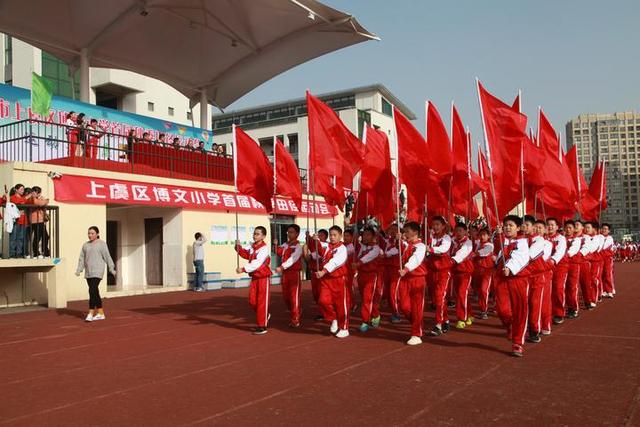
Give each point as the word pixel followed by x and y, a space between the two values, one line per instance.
pixel 334 326
pixel 89 318
pixel 592 304
pixel 414 341
pixel 545 332
pixel 99 317
pixel 40 256
pixel 342 333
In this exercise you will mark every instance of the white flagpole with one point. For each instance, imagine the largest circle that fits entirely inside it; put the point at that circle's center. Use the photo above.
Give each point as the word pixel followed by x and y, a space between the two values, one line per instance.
pixel 602 178
pixel 395 135
pixel 235 185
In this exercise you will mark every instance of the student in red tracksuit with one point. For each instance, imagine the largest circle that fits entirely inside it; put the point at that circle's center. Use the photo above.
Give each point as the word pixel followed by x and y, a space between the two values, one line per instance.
pixel 412 283
pixel 588 296
pixel 314 262
pixel 462 270
pixel 439 272
pixel 608 251
pixel 595 259
pixel 535 270
pixel 512 260
pixel 391 266
pixel 574 244
pixel 541 229
pixel 260 272
pixel 560 270
pixel 291 257
pixel 483 267
pixel 350 244
pixel 368 264
pixel 334 295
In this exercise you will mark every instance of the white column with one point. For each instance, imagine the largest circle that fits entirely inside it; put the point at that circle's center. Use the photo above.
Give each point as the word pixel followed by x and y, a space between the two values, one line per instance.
pixel 84 75
pixel 204 110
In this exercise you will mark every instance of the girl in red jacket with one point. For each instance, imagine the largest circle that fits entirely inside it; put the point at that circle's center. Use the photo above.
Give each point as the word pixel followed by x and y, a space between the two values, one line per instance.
pixel 368 264
pixel 483 267
pixel 462 270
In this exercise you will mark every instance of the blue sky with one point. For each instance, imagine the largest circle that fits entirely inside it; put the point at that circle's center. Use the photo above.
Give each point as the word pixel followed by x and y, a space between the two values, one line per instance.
pixel 568 56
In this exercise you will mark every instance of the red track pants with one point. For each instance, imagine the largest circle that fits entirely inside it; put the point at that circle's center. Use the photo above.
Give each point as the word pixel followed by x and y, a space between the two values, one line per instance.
pixel 482 285
pixel 291 284
pixel 334 300
pixel 369 285
pixel 412 302
pixel 559 291
pixel 439 280
pixel 588 295
pixel 536 293
pixel 573 281
pixel 351 279
pixel 315 287
pixel 519 298
pixel 607 275
pixel 259 299
pixel 596 280
pixel 462 283
pixel 546 301
pixel 391 280
pixel 503 300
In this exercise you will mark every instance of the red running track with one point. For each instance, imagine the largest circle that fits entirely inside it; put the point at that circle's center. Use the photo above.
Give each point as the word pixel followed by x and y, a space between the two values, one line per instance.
pixel 187 358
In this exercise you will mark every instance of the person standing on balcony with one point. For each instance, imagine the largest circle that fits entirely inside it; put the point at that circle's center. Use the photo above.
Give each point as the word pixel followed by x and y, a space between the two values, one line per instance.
pixel 72 132
pixel 198 261
pixel 39 218
pixel 94 134
pixel 94 257
pixel 161 140
pixel 201 148
pixel 17 235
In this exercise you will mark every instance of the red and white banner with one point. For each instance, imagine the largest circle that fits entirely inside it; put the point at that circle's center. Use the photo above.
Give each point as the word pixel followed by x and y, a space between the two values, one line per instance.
pixel 82 189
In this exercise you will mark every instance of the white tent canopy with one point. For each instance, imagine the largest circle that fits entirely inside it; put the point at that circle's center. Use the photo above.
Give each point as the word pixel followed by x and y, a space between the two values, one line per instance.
pixel 210 50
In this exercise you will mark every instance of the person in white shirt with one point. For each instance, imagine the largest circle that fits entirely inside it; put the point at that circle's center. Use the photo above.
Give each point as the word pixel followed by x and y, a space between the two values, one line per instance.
pixel 559 270
pixel 198 261
pixel 595 259
pixel 608 252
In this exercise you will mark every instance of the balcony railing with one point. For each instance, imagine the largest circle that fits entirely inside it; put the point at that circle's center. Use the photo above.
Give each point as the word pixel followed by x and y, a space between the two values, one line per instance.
pixel 35 235
pixel 52 143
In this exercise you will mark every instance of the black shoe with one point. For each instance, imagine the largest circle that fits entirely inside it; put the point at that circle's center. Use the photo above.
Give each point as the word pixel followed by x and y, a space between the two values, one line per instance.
pixel 445 327
pixel 451 304
pixel 294 324
pixel 433 306
pixel 259 331
pixel 318 318
pixel 557 320
pixel 482 316
pixel 572 314
pixel 534 337
pixel 436 331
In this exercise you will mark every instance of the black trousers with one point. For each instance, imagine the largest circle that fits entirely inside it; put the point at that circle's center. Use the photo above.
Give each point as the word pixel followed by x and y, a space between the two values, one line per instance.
pixel 39 235
pixel 94 293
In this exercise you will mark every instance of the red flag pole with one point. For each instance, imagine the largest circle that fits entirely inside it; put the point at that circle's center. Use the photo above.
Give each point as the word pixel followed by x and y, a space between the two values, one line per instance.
pixel 490 166
pixel 235 186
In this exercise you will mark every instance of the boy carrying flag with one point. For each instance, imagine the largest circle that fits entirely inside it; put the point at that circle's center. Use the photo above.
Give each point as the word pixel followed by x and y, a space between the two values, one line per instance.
pixel 291 254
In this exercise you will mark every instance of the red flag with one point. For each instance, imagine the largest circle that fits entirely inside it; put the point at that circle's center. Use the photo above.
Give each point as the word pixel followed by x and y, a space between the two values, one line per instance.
pixel 488 208
pixel 336 154
pixel 579 182
pixel 438 143
pixel 595 200
pixel 516 103
pixel 465 182
pixel 376 178
pixel 413 162
pixel 253 170
pixel 287 174
pixel 505 129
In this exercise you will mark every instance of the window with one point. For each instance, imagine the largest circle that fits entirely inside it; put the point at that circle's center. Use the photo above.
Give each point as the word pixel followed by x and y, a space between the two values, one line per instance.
pixel 267 145
pixel 57 73
pixel 8 47
pixel 189 116
pixel 151 106
pixel 170 111
pixel 386 108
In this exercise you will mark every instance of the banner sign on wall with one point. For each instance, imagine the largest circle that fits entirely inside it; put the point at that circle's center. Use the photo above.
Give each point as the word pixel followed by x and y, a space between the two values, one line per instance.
pixel 82 189
pixel 15 105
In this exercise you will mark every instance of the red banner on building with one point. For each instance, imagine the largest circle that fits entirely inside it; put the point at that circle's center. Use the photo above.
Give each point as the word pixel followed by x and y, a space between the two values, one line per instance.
pixel 82 189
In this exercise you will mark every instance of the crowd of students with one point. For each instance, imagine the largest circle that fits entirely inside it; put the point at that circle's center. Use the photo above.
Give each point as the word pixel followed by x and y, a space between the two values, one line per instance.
pixel 84 138
pixel 534 274
pixel 25 219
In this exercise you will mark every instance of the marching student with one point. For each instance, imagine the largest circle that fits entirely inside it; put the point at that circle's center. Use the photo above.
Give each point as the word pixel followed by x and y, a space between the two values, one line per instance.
pixel 314 262
pixel 588 296
pixel 258 255
pixel 349 242
pixel 334 294
pixel 483 266
pixel 559 272
pixel 513 257
pixel 574 243
pixel 439 272
pixel 541 229
pixel 391 266
pixel 291 257
pixel 595 259
pixel 412 283
pixel 462 270
pixel 608 251
pixel 535 270
pixel 368 265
